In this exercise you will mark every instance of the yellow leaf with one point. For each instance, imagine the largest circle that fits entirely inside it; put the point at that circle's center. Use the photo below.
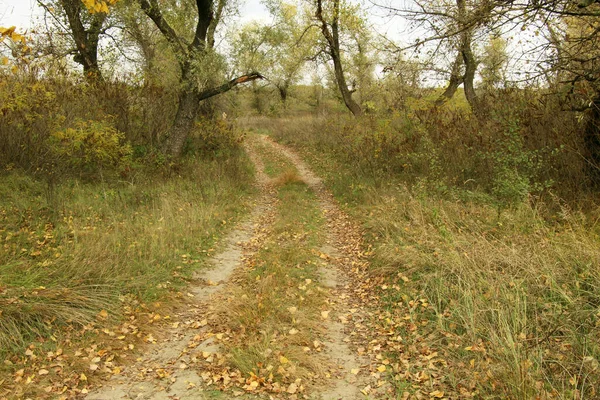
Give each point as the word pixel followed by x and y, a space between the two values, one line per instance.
pixel 16 37
pixel 573 380
pixel 283 360
pixel 354 371
pixel 324 314
pixel 82 377
pixel 4 60
pixel 43 372
pixel 103 314
pixel 381 368
pixel 7 31
pixel 437 393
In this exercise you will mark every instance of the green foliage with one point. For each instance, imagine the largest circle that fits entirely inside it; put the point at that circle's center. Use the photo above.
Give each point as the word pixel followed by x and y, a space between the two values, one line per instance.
pixel 514 168
pixel 494 62
pixel 29 110
pixel 90 146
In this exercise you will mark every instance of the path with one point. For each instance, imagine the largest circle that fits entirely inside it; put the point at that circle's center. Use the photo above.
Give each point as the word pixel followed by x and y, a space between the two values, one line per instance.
pixel 170 369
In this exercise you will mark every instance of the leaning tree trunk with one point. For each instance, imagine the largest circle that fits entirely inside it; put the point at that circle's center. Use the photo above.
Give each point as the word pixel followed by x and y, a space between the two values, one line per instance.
pixel 592 141
pixel 468 57
pixel 456 79
pixel 470 69
pixel 333 41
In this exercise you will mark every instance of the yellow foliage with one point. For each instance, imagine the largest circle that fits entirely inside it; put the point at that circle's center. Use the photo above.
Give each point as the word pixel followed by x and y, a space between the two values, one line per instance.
pixel 99 6
pixel 92 145
pixel 11 34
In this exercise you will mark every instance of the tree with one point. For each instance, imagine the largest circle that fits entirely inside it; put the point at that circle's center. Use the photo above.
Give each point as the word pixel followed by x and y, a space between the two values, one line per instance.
pixel 192 45
pixel 250 52
pixel 574 30
pixel 291 44
pixel 455 24
pixel 493 62
pixel 330 28
pixel 86 22
pixel 197 61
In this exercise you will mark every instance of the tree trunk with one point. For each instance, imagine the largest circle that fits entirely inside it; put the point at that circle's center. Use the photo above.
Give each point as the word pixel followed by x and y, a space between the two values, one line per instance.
pixel 283 94
pixel 456 79
pixel 470 69
pixel 592 141
pixel 187 111
pixel 86 40
pixel 333 42
pixel 468 57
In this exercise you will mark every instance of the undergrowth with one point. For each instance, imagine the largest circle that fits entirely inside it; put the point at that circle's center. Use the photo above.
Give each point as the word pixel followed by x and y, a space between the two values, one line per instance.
pixel 502 288
pixel 83 254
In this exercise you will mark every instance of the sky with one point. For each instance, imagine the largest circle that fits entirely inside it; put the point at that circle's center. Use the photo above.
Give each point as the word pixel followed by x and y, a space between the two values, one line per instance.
pixel 17 12
pixel 22 13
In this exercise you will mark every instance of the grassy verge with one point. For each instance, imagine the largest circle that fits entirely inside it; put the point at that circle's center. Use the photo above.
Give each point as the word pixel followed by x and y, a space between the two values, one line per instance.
pixel 276 165
pixel 486 304
pixel 74 263
pixel 276 315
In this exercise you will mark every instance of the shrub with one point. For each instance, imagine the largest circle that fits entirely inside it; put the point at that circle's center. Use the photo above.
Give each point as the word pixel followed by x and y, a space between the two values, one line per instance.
pixel 91 147
pixel 213 137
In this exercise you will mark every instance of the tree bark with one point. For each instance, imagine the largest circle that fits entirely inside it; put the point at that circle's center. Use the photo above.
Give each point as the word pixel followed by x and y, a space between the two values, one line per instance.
pixel 86 40
pixel 468 57
pixel 333 41
pixel 283 93
pixel 456 79
pixel 592 141
pixel 187 111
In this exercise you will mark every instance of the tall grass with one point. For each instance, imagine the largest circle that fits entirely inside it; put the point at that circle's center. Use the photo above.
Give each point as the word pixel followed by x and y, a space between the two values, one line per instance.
pixel 502 285
pixel 70 255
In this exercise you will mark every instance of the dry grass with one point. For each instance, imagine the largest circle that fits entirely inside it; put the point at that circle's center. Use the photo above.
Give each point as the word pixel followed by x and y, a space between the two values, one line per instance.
pixel 276 312
pixel 509 300
pixel 66 258
pixel 522 292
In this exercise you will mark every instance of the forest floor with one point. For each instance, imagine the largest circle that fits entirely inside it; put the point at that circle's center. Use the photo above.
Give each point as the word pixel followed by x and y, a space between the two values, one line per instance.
pixel 284 313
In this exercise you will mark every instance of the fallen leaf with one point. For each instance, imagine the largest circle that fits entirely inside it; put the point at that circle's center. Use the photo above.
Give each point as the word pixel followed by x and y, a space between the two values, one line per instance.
pixel 293 388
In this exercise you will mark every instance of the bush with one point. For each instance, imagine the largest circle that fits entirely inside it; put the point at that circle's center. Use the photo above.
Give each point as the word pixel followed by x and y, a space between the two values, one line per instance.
pixel 214 137
pixel 90 147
